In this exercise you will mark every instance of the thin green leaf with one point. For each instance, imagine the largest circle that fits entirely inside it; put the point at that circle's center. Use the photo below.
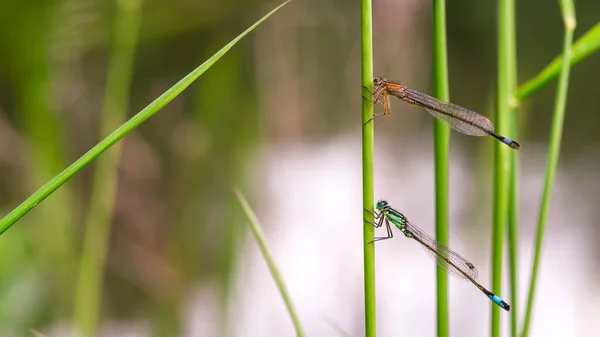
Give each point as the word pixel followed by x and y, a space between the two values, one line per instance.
pixel 582 48
pixel 260 240
pixel 119 133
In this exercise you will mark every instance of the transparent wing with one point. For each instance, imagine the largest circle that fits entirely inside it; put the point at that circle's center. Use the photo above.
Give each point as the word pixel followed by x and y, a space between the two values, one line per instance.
pixel 459 125
pixel 444 256
pixel 460 119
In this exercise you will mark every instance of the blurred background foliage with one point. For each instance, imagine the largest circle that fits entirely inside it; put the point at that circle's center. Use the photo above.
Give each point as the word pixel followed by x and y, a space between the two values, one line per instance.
pixel 295 80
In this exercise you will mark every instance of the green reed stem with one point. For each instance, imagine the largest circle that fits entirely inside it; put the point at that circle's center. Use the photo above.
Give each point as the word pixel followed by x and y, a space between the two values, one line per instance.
pixel 568 13
pixel 502 169
pixel 441 145
pixel 368 143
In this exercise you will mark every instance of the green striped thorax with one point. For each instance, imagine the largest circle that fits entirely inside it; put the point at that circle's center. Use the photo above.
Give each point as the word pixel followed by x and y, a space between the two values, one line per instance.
pixel 397 218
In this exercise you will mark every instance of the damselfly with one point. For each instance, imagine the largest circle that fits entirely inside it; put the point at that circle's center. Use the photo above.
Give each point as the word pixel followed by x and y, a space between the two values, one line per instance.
pixel 445 257
pixel 459 118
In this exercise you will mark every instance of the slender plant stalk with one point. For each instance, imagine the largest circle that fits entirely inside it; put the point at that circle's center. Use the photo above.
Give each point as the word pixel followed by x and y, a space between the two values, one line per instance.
pixel 51 186
pixel 585 46
pixel 513 211
pixel 513 197
pixel 513 241
pixel 260 240
pixel 100 216
pixel 502 174
pixel 568 13
pixel 441 141
pixel 368 143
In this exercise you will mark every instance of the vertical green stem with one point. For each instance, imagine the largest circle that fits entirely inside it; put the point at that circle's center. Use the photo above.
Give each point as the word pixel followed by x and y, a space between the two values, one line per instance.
pixel 368 141
pixel 513 243
pixel 502 174
pixel 441 145
pixel 513 198
pixel 568 12
pixel 100 216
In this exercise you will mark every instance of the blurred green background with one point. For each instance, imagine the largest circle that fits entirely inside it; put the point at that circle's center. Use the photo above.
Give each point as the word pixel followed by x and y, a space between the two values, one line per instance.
pixel 279 117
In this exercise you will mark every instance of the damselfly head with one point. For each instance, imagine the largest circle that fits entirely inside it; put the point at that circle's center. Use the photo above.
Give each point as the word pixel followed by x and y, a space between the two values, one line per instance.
pixel 379 81
pixel 381 204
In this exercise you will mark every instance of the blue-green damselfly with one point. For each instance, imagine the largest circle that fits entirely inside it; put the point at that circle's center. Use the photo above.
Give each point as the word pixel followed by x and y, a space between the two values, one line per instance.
pixel 458 118
pixel 445 257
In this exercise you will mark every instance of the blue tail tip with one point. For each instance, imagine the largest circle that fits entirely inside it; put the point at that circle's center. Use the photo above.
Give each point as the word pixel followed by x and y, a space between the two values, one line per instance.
pixel 500 302
pixel 514 144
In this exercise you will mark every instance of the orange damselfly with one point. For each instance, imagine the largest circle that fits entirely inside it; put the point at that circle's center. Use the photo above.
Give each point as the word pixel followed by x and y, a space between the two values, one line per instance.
pixel 458 118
